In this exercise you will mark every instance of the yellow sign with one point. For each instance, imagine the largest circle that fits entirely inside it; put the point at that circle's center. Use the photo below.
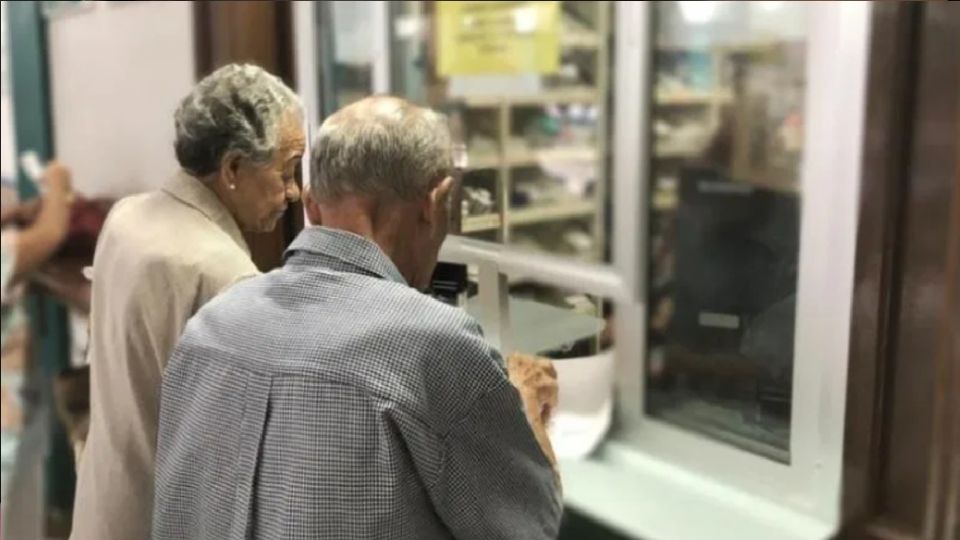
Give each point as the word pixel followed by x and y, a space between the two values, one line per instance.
pixel 477 38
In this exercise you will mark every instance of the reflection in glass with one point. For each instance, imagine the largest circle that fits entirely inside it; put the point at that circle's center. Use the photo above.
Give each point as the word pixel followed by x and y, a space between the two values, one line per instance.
pixel 347 52
pixel 725 219
pixel 529 101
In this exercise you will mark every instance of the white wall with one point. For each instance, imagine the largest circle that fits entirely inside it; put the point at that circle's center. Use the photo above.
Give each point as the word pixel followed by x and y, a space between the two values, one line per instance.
pixel 8 144
pixel 118 71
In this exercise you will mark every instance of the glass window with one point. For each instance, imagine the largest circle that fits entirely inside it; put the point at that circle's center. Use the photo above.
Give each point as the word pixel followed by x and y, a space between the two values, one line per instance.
pixel 724 218
pixel 527 86
pixel 347 52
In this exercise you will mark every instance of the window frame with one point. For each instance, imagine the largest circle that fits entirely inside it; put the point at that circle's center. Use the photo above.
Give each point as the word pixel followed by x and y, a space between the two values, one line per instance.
pixel 837 49
pixel 837 53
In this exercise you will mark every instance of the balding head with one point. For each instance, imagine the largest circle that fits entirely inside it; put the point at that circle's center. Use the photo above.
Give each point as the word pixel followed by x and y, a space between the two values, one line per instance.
pixel 381 169
pixel 383 148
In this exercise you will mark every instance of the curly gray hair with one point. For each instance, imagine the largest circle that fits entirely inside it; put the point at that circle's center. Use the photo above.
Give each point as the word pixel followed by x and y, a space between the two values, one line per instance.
pixel 238 107
pixel 382 146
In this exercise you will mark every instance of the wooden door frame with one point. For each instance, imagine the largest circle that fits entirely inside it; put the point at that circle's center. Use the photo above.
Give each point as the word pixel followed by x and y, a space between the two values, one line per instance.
pixel 260 33
pixel 909 172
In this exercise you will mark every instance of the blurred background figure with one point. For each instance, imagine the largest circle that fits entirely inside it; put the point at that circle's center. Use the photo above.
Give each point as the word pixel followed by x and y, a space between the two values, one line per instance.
pixel 32 232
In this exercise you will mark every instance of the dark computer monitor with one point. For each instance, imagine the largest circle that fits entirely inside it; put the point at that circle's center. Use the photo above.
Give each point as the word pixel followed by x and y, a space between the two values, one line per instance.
pixel 736 252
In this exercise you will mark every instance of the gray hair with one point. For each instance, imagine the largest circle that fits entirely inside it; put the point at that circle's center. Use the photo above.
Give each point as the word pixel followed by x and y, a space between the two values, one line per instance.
pixel 382 147
pixel 235 108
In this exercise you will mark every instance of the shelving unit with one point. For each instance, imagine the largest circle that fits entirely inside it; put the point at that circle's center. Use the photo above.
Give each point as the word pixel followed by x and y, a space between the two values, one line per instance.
pixel 531 157
pixel 483 222
pixel 559 96
pixel 538 156
pixel 508 162
pixel 693 98
pixel 553 212
pixel 705 104
pixel 663 151
pixel 710 102
pixel 579 40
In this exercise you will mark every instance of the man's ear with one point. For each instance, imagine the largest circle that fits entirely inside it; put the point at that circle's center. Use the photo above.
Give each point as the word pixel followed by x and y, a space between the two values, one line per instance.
pixel 312 207
pixel 438 200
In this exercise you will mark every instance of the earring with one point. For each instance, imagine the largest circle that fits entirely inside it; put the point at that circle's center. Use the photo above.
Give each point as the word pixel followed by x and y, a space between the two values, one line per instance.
pixel 233 186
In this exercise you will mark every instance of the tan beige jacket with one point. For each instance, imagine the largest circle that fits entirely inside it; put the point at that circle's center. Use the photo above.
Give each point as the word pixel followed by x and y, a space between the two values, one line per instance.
pixel 160 257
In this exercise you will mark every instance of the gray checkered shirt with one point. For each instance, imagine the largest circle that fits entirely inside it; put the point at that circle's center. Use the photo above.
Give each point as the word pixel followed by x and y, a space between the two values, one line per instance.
pixel 328 399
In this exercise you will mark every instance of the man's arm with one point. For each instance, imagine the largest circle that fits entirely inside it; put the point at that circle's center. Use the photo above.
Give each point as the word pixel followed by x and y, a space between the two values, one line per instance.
pixel 488 472
pixel 536 381
pixel 495 480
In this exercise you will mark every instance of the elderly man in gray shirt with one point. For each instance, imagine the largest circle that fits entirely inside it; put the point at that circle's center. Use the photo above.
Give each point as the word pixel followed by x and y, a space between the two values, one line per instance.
pixel 330 398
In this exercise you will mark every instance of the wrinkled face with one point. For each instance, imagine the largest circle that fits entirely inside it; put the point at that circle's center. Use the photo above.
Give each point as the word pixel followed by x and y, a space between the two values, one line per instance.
pixel 263 190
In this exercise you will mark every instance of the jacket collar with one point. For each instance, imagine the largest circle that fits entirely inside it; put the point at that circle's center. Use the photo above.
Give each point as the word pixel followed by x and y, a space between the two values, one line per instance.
pixel 342 250
pixel 190 191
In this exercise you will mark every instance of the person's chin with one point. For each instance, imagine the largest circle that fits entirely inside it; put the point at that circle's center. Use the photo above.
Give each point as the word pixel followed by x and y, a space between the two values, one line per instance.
pixel 261 228
pixel 269 227
pixel 271 224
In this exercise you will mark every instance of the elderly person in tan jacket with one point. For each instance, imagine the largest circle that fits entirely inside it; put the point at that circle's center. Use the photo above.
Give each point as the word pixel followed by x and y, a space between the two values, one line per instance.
pixel 163 255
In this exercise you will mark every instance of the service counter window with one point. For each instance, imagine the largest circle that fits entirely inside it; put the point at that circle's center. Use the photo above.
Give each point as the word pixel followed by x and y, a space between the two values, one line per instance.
pixel 670 186
pixel 724 219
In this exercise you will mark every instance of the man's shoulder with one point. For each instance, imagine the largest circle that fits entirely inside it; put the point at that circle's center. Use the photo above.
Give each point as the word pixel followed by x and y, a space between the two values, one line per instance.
pixel 361 300
pixel 447 353
pixel 396 338
pixel 425 320
pixel 431 315
pixel 402 344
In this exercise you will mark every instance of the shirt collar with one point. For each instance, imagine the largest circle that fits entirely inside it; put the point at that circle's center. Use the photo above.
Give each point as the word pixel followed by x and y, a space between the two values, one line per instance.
pixel 345 248
pixel 193 193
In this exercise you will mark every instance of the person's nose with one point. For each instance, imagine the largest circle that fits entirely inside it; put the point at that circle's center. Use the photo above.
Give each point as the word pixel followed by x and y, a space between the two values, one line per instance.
pixel 293 192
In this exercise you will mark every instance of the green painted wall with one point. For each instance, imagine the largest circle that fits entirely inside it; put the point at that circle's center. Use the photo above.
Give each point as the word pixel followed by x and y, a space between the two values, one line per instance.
pixel 51 344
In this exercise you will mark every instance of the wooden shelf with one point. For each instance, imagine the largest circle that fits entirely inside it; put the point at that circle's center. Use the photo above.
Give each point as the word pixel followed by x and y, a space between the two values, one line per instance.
pixel 531 157
pixel 501 158
pixel 692 98
pixel 483 222
pixel 665 201
pixel 575 34
pixel 553 212
pixel 535 156
pixel 579 39
pixel 669 152
pixel 482 161
pixel 728 48
pixel 574 94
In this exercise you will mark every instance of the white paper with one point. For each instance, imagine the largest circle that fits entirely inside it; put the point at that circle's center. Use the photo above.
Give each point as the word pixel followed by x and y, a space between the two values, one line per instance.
pixel 585 405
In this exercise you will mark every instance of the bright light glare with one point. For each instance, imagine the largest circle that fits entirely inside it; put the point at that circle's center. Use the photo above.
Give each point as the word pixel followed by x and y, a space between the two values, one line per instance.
pixel 698 12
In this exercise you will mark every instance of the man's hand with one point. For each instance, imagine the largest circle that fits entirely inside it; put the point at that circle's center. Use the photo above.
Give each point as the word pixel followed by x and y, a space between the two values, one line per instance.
pixel 536 381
